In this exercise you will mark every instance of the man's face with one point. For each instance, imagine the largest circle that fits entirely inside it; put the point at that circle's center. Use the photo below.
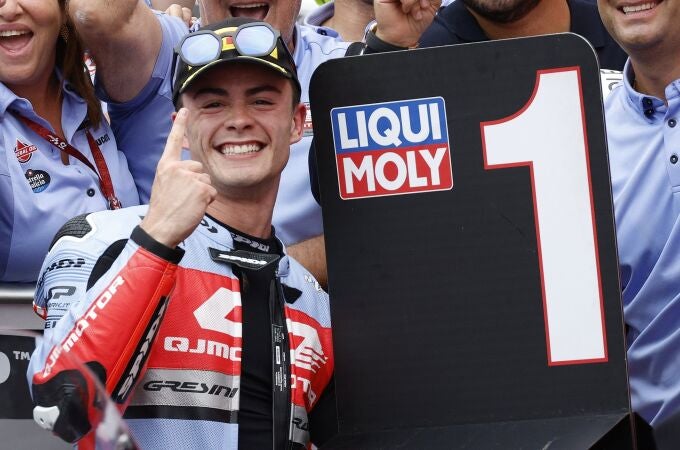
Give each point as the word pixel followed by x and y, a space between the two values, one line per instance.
pixel 241 125
pixel 502 11
pixel 643 25
pixel 281 14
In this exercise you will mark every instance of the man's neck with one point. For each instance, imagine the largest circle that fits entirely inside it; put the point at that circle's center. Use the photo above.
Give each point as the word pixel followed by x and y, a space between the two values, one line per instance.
pixel 251 214
pixel 350 19
pixel 549 16
pixel 291 42
pixel 653 71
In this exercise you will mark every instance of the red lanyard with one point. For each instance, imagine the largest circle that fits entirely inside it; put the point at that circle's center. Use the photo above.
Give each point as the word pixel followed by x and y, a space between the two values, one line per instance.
pixel 103 174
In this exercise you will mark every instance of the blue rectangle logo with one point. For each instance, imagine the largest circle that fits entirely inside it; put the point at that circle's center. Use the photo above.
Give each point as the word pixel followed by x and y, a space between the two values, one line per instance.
pixel 392 148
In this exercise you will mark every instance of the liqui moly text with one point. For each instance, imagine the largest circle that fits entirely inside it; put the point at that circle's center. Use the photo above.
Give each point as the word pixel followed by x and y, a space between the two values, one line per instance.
pixel 392 148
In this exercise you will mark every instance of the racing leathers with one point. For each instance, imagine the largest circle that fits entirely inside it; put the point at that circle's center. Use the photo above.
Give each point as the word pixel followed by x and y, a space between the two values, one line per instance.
pixel 162 329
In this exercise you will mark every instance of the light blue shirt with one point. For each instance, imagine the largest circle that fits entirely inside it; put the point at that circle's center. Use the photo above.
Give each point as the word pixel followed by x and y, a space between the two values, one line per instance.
pixel 38 193
pixel 644 147
pixel 297 216
pixel 318 16
pixel 142 126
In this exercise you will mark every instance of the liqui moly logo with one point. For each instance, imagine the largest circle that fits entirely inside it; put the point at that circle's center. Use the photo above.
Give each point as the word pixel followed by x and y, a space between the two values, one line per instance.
pixel 392 148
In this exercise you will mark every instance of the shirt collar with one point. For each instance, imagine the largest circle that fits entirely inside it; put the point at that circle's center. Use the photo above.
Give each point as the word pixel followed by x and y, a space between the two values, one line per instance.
pixel 215 231
pixel 463 22
pixel 20 104
pixel 645 105
pixel 68 89
pixel 9 98
pixel 318 16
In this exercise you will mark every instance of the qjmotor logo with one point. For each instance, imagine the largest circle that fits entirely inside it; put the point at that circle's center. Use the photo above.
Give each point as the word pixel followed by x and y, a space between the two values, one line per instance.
pixel 392 148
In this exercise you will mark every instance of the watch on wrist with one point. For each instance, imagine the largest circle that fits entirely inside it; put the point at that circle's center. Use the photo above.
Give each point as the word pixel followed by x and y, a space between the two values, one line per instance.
pixel 376 44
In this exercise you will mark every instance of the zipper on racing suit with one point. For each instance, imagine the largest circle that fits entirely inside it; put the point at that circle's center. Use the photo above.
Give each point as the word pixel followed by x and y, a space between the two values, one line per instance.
pixel 281 389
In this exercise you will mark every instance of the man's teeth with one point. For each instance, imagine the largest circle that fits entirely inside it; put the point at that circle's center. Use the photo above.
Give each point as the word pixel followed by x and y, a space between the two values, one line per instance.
pixel 240 149
pixel 8 33
pixel 254 5
pixel 638 8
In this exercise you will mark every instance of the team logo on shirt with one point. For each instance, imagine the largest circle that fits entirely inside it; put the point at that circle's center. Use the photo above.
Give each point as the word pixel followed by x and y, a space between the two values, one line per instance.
pixel 392 148
pixel 38 180
pixel 24 152
pixel 104 139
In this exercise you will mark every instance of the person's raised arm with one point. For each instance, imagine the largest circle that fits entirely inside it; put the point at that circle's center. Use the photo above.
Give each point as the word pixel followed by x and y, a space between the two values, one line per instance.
pixel 124 37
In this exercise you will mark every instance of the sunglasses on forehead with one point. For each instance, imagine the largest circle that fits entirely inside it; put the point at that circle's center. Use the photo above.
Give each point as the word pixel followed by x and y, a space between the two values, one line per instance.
pixel 205 46
pixel 253 39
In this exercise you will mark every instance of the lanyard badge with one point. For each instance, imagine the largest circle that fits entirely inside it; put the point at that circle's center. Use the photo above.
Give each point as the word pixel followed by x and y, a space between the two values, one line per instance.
pixel 105 183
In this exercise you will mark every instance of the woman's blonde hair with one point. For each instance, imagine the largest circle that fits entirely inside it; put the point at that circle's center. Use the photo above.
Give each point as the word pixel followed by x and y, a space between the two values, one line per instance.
pixel 70 59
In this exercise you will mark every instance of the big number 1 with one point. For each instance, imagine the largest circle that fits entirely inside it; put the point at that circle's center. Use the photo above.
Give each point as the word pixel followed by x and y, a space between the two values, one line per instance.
pixel 548 135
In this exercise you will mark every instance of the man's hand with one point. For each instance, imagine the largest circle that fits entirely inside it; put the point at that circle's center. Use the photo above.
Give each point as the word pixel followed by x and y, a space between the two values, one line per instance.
pixel 180 194
pixel 401 22
pixel 182 12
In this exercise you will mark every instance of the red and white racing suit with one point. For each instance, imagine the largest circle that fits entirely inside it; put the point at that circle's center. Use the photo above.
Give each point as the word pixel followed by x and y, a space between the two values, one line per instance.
pixel 162 329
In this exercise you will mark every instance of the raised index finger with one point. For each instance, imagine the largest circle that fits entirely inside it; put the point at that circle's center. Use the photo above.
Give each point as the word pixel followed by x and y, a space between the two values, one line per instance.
pixel 173 146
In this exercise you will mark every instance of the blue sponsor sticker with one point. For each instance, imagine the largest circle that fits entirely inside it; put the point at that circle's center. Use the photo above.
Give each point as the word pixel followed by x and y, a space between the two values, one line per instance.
pixel 39 180
pixel 392 148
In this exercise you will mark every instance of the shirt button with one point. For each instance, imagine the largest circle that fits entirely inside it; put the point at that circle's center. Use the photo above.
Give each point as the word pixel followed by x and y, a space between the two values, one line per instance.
pixel 672 123
pixel 647 101
pixel 674 159
pixel 90 192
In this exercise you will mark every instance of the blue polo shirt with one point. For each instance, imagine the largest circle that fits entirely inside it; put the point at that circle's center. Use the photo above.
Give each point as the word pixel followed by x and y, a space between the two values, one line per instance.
pixel 142 126
pixel 38 193
pixel 297 216
pixel 318 16
pixel 644 147
pixel 455 25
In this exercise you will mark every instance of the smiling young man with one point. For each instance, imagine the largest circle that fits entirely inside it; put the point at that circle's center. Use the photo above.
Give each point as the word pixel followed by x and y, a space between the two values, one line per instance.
pixel 642 115
pixel 133 49
pixel 209 336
